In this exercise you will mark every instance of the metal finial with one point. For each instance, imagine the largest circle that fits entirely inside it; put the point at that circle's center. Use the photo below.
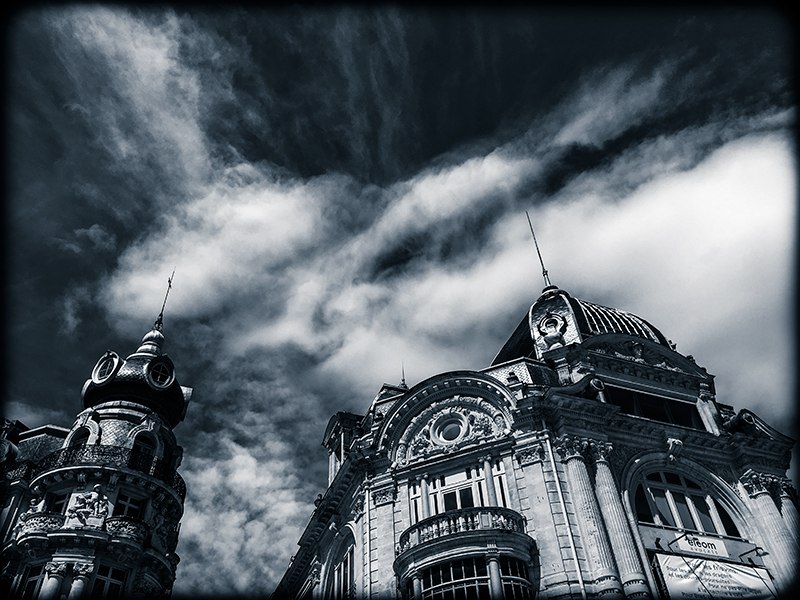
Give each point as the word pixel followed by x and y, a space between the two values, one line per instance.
pixel 403 375
pixel 160 320
pixel 544 271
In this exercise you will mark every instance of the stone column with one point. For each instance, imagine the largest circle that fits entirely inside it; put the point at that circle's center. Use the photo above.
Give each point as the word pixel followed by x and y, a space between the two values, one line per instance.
pixel 495 580
pixel 51 588
pixel 776 538
pixel 590 524
pixel 789 510
pixel 423 496
pixel 491 493
pixel 631 573
pixel 81 573
pixel 417 583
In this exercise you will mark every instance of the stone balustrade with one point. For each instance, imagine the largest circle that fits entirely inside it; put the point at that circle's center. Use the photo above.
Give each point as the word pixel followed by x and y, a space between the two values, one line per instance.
pixel 458 521
pixel 39 522
pixel 126 527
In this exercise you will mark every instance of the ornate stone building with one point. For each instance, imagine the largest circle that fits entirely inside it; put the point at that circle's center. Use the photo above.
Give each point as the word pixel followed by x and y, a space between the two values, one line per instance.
pixel 590 459
pixel 93 511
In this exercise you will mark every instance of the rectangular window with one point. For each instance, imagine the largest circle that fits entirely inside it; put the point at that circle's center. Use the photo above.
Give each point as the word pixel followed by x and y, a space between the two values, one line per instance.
pixel 657 408
pixel 58 503
pixel 128 506
pixel 108 583
pixel 33 582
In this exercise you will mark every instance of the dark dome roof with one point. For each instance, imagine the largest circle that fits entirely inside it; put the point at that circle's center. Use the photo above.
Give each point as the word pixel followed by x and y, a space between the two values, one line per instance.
pixel 594 319
pixel 146 377
pixel 591 320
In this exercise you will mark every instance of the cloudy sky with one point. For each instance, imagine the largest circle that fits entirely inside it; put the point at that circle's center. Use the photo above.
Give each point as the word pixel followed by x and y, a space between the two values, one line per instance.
pixel 344 191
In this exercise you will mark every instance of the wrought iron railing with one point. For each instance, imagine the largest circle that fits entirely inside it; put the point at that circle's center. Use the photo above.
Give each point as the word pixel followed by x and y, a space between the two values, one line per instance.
pixel 458 521
pixel 21 470
pixel 114 456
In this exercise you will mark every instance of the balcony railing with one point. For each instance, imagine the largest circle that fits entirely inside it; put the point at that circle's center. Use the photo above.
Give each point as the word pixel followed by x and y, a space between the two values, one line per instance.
pixel 126 527
pixel 458 521
pixel 22 470
pixel 39 523
pixel 114 456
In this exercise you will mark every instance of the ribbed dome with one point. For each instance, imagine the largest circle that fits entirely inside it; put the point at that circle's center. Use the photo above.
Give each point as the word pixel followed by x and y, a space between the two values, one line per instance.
pixel 594 319
pixel 146 377
pixel 557 319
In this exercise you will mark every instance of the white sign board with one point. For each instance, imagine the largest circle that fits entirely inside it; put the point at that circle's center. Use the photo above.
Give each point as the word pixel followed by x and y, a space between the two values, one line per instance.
pixel 702 544
pixel 697 579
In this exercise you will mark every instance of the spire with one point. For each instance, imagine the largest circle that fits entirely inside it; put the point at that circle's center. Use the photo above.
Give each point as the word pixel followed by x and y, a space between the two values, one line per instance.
pixel 547 283
pixel 159 324
pixel 403 375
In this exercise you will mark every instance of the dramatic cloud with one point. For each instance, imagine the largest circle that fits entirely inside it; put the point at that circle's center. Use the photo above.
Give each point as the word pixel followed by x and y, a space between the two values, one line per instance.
pixel 342 193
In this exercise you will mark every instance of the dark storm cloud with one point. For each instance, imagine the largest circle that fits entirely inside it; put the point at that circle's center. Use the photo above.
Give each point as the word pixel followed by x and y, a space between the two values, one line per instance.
pixel 342 191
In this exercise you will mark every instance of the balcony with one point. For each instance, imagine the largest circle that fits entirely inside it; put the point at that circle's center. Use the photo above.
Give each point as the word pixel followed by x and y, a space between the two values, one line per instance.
pixel 454 522
pixel 39 523
pixel 126 528
pixel 113 456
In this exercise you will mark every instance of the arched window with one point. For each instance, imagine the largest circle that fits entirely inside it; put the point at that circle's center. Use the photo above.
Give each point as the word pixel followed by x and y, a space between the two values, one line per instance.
pixel 342 579
pixel 80 438
pixel 144 444
pixel 670 499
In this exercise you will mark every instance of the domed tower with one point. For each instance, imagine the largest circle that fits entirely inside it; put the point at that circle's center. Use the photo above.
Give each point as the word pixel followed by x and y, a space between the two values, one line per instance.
pixel 590 459
pixel 103 509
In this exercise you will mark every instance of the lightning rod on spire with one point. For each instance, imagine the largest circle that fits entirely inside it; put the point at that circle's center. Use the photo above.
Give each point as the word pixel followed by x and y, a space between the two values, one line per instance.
pixel 544 271
pixel 160 320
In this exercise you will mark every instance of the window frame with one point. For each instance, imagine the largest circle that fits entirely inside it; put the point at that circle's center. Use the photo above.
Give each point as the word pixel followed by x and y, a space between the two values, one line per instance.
pixel 690 492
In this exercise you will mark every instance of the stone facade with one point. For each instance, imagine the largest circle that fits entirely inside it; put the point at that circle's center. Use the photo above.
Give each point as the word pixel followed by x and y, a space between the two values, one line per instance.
pixel 94 510
pixel 590 460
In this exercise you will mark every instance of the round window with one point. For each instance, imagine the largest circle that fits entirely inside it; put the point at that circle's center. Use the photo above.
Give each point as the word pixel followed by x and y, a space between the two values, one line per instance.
pixel 106 368
pixel 160 373
pixel 449 428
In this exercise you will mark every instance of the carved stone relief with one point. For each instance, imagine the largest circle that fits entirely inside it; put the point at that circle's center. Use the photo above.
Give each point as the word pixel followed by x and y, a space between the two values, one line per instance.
pixel 449 425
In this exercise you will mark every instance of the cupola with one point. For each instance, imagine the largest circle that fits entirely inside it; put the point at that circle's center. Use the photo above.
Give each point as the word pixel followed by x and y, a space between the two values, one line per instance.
pixel 146 377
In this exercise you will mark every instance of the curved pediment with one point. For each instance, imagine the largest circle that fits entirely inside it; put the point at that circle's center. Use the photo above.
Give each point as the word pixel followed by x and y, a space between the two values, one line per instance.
pixel 644 352
pixel 444 414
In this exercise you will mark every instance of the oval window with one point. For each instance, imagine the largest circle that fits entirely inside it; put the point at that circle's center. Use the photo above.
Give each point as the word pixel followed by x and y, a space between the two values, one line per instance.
pixel 106 368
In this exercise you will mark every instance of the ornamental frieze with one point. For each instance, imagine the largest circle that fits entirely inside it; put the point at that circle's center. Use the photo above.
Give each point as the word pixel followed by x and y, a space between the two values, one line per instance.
pixel 449 425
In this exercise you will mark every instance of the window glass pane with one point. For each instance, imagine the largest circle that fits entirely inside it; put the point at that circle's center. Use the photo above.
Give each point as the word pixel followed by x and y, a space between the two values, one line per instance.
pixel 450 501
pixel 466 498
pixel 643 512
pixel 683 511
pixel 458 570
pixel 705 516
pixel 653 477
pixel 654 408
pixel 691 484
pixel 662 506
pixel 727 522
pixel 673 478
pixel 480 567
